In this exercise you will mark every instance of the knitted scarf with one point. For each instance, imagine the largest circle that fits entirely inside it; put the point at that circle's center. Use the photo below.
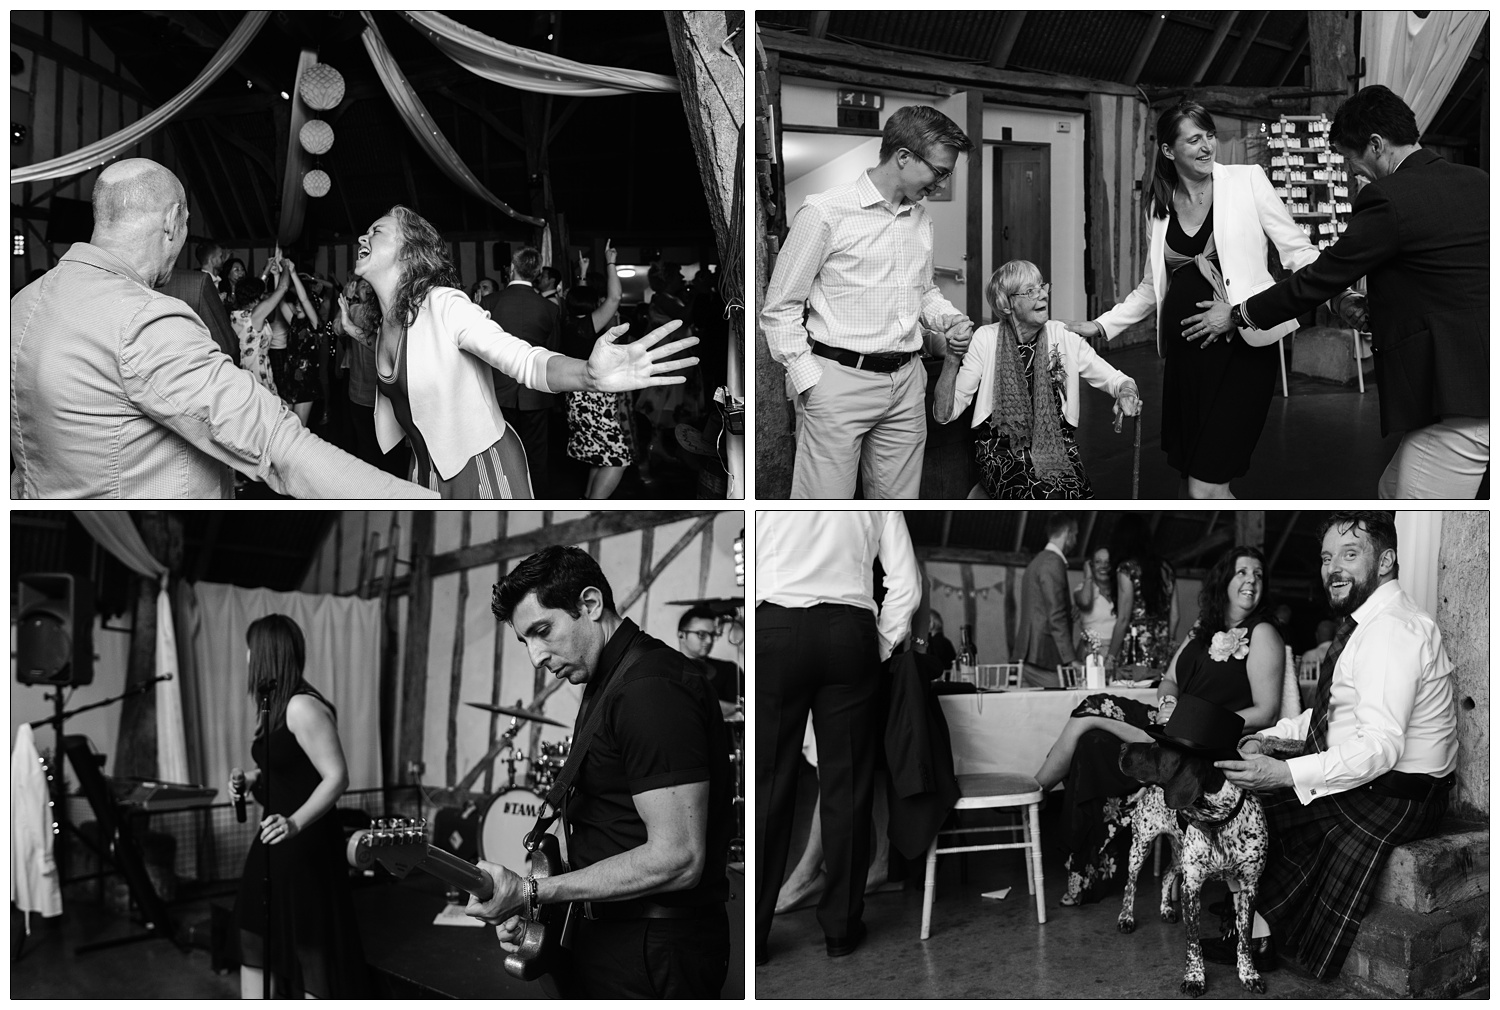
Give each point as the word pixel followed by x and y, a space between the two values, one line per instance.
pixel 1028 417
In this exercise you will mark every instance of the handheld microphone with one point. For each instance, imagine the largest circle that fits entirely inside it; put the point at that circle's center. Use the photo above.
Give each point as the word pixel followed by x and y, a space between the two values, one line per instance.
pixel 237 778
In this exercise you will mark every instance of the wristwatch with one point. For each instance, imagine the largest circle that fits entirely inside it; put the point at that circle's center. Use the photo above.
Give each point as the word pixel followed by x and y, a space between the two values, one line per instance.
pixel 532 905
pixel 1237 317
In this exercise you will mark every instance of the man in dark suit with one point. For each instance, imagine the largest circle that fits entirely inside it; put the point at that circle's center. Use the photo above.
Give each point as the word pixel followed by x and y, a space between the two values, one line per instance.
pixel 522 312
pixel 1420 232
pixel 1044 635
pixel 197 289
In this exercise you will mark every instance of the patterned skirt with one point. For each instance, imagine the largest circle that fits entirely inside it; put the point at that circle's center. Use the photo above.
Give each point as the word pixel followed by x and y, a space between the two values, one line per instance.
pixel 498 472
pixel 599 429
pixel 1096 823
pixel 1010 473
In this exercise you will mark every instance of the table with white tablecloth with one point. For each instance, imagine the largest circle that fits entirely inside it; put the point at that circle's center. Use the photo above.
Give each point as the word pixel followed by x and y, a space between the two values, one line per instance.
pixel 1011 731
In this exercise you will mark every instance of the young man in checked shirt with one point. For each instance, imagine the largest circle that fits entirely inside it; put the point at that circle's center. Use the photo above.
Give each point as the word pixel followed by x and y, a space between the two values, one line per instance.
pixel 857 266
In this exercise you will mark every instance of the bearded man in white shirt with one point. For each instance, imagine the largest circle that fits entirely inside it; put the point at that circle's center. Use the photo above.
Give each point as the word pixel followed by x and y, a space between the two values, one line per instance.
pixel 844 311
pixel 820 641
pixel 1366 769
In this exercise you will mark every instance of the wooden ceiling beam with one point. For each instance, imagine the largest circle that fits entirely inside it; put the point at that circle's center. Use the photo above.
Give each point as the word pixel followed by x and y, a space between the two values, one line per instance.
pixel 26 39
pixel 915 65
pixel 1211 50
pixel 1144 47
pixel 818 25
pixel 1298 47
pixel 1010 30
pixel 1248 35
pixel 191 28
pixel 1291 525
pixel 485 116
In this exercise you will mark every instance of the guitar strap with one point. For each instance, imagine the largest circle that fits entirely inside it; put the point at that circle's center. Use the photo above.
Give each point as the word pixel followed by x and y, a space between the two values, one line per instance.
pixel 554 800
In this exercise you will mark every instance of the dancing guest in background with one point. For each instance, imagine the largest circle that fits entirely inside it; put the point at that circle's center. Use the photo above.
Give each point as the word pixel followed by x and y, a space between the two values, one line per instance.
pixel 434 358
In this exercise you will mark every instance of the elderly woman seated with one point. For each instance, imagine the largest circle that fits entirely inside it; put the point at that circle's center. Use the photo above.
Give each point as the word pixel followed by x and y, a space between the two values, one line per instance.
pixel 1025 369
pixel 1234 658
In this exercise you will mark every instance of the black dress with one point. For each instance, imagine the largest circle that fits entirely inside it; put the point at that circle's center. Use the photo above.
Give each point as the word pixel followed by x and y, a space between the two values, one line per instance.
pixel 1215 398
pixel 1097 816
pixel 314 944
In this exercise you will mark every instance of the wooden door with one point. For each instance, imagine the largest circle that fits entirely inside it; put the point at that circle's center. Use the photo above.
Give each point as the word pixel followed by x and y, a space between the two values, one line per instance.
pixel 1023 205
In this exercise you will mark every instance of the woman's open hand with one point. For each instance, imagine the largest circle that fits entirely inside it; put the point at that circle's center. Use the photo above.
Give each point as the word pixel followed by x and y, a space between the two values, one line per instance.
pixel 614 367
pixel 1085 328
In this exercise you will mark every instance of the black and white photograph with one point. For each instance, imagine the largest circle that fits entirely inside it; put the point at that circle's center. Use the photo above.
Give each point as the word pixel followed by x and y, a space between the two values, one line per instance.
pixel 1121 755
pixel 355 254
pixel 1122 254
pixel 418 755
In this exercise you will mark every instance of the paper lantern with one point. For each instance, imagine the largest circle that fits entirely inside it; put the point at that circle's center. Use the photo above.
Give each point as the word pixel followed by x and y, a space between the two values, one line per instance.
pixel 322 87
pixel 317 183
pixel 316 136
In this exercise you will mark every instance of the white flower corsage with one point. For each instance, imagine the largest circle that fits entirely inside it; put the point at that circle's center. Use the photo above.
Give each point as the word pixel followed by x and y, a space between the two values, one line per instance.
pixel 1235 642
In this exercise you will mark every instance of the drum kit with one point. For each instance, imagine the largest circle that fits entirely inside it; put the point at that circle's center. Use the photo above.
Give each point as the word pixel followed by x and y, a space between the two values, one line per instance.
pixel 512 811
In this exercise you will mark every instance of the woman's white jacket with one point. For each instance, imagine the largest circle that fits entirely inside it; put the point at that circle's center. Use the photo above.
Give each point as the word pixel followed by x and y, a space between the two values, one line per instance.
pixel 1248 216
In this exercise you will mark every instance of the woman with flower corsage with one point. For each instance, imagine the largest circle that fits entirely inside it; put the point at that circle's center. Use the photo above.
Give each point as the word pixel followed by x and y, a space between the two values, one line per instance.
pixel 1022 371
pixel 1234 658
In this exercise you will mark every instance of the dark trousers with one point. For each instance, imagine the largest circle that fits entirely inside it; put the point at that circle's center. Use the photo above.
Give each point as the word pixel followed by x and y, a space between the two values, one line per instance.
pixel 645 959
pixel 824 660
pixel 531 425
pixel 397 462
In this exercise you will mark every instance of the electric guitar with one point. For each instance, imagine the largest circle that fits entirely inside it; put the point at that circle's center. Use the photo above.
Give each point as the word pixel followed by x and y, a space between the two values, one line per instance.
pixel 400 845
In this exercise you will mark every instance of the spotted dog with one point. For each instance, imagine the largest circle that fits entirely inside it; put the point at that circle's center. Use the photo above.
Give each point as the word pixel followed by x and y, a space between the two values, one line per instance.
pixel 1220 832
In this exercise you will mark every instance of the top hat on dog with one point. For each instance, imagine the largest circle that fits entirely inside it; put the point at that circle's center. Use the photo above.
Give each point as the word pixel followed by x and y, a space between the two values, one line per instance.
pixel 1202 728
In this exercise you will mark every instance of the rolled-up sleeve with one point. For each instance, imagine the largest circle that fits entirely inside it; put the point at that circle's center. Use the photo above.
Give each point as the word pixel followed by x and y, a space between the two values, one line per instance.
pixel 472 329
pixel 174 373
pixel 797 266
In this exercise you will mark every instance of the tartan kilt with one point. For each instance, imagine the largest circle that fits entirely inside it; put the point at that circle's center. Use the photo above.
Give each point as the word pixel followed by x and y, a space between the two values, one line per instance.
pixel 1324 860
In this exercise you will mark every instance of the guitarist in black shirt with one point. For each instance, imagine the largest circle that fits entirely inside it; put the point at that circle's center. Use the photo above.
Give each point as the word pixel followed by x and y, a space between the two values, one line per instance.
pixel 649 818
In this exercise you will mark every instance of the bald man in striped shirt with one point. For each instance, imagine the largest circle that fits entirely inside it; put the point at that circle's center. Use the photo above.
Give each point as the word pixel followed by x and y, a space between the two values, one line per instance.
pixel 844 313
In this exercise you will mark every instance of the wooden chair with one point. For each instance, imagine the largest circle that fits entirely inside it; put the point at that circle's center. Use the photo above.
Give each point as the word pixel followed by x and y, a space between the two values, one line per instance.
pixel 1071 675
pixel 996 790
pixel 994 676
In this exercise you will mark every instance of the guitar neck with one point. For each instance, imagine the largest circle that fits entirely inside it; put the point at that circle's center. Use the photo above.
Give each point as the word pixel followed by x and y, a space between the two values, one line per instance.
pixel 459 872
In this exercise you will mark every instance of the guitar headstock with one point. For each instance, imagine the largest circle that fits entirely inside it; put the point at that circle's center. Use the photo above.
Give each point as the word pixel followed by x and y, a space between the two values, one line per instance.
pixel 396 843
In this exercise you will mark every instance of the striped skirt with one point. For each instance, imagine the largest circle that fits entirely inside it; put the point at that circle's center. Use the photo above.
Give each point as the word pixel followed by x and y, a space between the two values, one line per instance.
pixel 498 472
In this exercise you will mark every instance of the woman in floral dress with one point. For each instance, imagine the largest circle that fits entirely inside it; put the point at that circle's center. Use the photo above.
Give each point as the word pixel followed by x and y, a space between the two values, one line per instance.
pixel 1234 658
pixel 1145 602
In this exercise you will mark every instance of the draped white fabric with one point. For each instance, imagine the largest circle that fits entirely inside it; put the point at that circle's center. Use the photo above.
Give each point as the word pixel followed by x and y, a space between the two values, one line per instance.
pixel 528 69
pixel 116 533
pixel 34 886
pixel 414 114
pixel 343 663
pixel 1418 58
pixel 111 147
pixel 1418 538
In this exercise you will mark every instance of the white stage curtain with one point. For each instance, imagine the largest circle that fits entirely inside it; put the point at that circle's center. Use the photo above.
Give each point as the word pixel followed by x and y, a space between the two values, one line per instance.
pixel 414 114
pixel 1418 58
pixel 1418 537
pixel 528 69
pixel 111 147
pixel 116 533
pixel 343 663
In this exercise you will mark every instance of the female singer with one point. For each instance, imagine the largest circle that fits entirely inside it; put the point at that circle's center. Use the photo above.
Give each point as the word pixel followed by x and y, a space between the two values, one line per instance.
pixel 298 923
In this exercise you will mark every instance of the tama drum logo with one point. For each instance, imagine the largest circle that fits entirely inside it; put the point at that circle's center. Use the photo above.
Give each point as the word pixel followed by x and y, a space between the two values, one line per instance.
pixel 522 809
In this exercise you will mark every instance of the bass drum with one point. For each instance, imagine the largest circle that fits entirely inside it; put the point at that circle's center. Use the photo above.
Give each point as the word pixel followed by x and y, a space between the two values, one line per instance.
pixel 508 818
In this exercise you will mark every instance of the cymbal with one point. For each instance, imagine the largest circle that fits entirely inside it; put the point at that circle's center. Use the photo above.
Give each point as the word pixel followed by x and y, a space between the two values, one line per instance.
pixel 515 713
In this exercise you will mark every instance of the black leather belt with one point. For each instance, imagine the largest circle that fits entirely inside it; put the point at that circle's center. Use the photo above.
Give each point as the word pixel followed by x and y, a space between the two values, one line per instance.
pixel 888 362
pixel 1408 785
pixel 640 908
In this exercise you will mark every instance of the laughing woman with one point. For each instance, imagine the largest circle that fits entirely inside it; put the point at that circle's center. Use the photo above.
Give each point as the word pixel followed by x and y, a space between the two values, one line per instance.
pixel 435 352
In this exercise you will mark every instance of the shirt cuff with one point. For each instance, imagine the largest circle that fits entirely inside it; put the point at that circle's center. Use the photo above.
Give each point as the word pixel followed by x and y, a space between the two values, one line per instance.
pixel 1307 778
pixel 537 379
pixel 803 371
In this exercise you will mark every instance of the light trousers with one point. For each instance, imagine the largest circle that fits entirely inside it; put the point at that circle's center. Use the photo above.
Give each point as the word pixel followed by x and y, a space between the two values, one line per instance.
pixel 866 425
pixel 1443 460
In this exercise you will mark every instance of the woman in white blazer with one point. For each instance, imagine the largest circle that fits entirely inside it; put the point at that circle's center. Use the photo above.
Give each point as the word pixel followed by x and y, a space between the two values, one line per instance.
pixel 1211 226
pixel 434 358
pixel 1022 373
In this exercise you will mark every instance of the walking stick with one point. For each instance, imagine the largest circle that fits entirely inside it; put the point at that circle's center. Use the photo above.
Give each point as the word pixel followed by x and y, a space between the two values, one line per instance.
pixel 1135 466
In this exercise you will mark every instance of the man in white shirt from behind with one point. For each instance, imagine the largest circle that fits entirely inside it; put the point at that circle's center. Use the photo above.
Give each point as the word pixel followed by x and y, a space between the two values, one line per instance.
pixel 820 641
pixel 1367 768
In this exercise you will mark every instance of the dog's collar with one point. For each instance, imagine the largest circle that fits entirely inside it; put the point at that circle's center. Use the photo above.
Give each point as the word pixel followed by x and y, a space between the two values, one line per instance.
pixel 1210 827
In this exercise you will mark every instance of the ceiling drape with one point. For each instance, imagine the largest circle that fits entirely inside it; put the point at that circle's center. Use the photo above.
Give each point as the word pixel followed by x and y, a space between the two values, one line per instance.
pixel 1418 57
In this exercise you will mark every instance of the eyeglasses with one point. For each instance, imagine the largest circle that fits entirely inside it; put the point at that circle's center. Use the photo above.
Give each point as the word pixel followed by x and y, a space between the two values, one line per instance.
pixel 1034 290
pixel 942 174
pixel 703 636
